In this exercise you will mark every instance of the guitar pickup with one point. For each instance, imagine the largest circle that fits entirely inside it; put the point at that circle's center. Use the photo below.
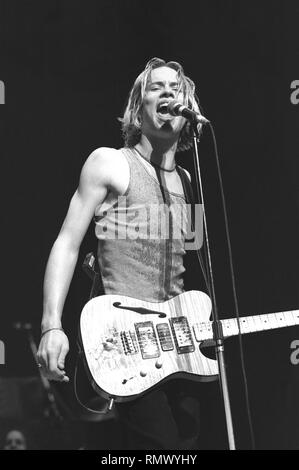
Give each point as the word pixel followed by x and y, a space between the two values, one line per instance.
pixel 164 336
pixel 182 335
pixel 147 340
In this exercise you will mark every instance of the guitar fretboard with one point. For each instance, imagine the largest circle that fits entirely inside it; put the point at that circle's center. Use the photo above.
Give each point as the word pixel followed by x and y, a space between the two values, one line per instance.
pixel 248 324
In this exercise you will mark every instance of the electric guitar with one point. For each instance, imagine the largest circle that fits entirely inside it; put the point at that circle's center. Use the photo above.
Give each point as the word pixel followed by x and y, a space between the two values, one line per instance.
pixel 132 345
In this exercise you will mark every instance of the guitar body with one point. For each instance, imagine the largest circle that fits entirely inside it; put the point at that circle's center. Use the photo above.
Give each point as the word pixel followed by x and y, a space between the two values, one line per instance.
pixel 132 345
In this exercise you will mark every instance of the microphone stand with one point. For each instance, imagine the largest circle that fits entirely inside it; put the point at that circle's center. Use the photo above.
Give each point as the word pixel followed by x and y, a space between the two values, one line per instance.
pixel 216 323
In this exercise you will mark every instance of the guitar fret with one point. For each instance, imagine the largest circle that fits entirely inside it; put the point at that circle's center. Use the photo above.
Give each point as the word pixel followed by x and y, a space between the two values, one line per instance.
pixel 226 327
pixel 230 327
pixel 265 322
pixel 235 328
pixel 273 323
pixel 244 325
pixel 251 324
pixel 202 331
pixel 261 323
pixel 279 318
pixel 285 319
pixel 295 316
pixel 289 319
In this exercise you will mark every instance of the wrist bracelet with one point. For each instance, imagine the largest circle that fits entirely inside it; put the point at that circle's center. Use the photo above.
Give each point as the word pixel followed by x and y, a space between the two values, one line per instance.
pixel 50 329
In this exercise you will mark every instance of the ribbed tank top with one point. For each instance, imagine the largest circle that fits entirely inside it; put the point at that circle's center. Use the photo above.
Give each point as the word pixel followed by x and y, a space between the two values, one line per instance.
pixel 141 238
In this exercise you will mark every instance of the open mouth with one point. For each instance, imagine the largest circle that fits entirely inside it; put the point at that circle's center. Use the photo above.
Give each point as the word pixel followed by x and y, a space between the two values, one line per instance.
pixel 162 110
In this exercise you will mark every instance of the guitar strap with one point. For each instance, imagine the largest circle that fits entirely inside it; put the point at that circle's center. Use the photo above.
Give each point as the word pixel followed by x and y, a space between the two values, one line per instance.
pixel 189 196
pixel 188 191
pixel 91 267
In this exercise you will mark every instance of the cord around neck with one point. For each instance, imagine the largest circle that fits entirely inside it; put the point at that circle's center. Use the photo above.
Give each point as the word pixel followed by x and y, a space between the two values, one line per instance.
pixel 154 164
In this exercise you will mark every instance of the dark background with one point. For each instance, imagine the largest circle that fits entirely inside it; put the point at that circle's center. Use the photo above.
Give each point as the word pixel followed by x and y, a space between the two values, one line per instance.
pixel 68 67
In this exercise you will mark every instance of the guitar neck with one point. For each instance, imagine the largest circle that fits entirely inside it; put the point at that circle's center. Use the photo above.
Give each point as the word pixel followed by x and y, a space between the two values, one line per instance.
pixel 249 324
pixel 270 321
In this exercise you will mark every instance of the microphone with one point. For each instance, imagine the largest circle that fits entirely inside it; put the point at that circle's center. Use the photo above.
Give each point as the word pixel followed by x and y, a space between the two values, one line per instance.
pixel 175 108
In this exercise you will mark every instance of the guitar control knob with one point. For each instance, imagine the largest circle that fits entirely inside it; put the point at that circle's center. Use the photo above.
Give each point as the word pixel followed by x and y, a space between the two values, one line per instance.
pixel 108 346
pixel 143 373
pixel 158 364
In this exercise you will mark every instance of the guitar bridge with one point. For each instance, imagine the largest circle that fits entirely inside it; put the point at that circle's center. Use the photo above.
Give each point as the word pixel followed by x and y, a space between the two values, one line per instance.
pixel 129 342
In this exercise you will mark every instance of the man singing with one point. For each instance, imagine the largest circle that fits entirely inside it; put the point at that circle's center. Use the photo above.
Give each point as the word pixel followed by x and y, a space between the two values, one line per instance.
pixel 143 174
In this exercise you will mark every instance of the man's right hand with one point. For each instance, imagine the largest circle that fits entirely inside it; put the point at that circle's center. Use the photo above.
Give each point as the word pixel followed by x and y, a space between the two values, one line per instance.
pixel 51 354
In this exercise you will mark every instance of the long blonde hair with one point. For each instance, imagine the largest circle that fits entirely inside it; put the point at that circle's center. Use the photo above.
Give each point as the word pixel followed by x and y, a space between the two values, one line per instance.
pixel 131 120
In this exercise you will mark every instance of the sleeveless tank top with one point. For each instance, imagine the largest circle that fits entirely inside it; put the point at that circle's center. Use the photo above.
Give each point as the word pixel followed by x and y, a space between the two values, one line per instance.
pixel 141 238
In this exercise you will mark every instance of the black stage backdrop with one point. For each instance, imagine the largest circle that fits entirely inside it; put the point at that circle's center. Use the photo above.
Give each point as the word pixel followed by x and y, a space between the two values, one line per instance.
pixel 67 67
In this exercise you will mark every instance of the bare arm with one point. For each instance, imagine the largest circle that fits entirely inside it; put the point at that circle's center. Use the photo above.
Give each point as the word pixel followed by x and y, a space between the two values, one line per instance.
pixel 92 190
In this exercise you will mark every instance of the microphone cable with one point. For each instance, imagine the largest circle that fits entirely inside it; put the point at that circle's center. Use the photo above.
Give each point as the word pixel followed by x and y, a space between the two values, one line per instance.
pixel 235 298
